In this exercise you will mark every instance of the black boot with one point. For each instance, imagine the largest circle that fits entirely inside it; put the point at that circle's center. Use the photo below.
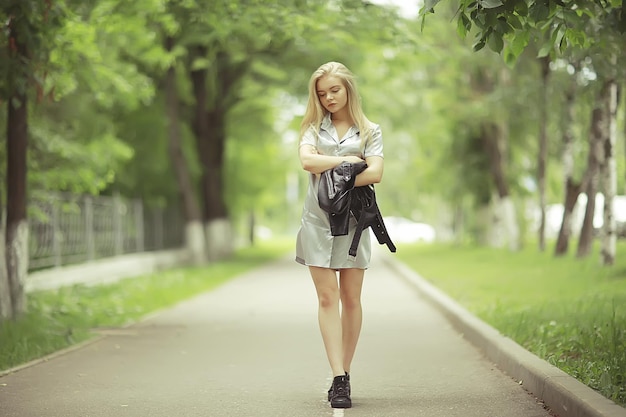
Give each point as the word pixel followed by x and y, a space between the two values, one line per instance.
pixel 340 397
pixel 330 390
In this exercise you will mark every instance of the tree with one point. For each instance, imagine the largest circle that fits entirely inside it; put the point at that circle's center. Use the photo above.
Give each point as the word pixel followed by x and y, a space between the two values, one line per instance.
pixel 542 158
pixel 50 56
pixel 25 43
pixel 445 106
pixel 556 27
pixel 195 238
pixel 594 158
pixel 608 172
pixel 6 306
pixel 17 227
pixel 572 188
pixel 163 64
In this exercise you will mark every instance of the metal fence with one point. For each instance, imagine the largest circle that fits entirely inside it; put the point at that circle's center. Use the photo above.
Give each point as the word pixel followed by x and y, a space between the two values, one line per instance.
pixel 68 229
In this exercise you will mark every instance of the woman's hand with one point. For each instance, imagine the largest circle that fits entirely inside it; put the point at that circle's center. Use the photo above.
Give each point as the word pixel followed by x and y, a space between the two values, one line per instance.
pixel 373 174
pixel 353 159
pixel 317 163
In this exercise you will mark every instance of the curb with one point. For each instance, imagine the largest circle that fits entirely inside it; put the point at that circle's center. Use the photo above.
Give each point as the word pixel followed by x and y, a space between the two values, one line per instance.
pixel 562 394
pixel 52 355
pixel 106 270
pixel 80 345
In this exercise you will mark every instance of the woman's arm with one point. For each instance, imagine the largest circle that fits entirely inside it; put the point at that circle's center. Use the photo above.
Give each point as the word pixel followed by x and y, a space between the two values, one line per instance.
pixel 373 173
pixel 316 163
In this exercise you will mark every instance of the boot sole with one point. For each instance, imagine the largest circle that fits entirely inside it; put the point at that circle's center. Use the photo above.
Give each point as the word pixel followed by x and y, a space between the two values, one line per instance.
pixel 341 404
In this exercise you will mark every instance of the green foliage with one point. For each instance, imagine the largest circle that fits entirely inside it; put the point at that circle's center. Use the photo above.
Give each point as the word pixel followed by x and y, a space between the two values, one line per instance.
pixel 27 29
pixel 73 148
pixel 255 162
pixel 80 77
pixel 148 175
pixel 567 311
pixel 554 26
pixel 586 338
pixel 108 38
pixel 60 318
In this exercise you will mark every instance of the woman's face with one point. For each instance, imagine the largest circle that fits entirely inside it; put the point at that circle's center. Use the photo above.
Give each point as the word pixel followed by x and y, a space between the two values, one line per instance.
pixel 332 93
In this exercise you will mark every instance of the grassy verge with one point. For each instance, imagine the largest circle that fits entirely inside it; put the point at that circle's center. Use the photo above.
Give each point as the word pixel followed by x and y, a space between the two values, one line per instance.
pixel 60 318
pixel 567 311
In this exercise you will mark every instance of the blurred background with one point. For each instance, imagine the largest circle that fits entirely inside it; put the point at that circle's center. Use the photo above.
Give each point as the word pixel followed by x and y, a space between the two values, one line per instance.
pixel 157 124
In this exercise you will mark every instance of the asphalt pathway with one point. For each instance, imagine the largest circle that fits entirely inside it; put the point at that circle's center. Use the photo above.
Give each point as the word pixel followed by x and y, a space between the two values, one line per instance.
pixel 252 348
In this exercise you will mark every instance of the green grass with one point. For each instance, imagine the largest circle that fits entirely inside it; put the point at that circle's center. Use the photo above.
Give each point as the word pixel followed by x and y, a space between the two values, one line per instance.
pixel 567 311
pixel 60 318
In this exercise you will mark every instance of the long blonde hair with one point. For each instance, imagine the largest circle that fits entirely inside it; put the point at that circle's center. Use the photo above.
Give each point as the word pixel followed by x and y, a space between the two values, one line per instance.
pixel 315 112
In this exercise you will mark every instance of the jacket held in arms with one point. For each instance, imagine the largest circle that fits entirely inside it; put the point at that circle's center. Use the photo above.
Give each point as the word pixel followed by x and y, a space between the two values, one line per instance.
pixel 339 197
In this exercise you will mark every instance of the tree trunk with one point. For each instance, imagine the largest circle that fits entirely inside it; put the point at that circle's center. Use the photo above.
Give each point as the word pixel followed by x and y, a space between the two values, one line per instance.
pixel 194 231
pixel 210 127
pixel 505 230
pixel 572 189
pixel 6 310
pixel 218 225
pixel 542 156
pixel 609 176
pixel 210 132
pixel 594 159
pixel 213 164
pixel 483 223
pixel 16 224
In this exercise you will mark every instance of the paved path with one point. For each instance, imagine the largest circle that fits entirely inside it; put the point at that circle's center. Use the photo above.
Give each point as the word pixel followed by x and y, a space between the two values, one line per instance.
pixel 252 348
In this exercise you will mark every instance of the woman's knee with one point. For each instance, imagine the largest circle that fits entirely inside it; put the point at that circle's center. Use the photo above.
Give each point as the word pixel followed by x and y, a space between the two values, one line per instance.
pixel 350 301
pixel 328 297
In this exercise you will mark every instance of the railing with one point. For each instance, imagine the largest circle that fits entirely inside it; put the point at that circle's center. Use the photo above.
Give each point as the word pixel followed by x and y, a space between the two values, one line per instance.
pixel 68 229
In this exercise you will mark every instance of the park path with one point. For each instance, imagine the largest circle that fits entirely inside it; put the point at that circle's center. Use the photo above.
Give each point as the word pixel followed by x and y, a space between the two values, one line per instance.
pixel 251 348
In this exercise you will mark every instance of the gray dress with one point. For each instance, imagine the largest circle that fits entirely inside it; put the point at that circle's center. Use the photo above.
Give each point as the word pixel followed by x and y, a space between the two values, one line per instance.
pixel 315 246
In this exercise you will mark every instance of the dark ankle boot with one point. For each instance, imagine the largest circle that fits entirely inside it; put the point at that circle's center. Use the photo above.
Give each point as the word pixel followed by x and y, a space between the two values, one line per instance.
pixel 340 397
pixel 330 390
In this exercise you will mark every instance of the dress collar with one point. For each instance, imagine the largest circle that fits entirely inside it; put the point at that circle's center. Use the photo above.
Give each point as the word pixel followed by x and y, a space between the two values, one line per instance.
pixel 327 124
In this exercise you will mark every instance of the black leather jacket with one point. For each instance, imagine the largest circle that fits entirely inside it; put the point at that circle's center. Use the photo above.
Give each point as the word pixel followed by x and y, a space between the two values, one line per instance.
pixel 339 197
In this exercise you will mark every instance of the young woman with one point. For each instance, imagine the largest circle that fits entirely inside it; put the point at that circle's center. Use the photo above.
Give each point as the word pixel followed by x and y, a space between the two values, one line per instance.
pixel 334 130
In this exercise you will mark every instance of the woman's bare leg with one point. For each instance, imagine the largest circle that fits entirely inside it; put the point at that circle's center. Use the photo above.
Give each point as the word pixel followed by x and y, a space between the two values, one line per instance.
pixel 327 288
pixel 350 284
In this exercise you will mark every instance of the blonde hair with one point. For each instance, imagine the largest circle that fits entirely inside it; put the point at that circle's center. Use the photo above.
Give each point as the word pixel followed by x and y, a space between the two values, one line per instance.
pixel 315 112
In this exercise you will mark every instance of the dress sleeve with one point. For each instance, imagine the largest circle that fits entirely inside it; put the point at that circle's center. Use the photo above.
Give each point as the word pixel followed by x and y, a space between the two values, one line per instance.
pixel 309 138
pixel 374 146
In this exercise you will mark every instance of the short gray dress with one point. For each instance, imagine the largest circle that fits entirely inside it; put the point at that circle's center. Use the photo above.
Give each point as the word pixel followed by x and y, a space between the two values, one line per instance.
pixel 315 246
